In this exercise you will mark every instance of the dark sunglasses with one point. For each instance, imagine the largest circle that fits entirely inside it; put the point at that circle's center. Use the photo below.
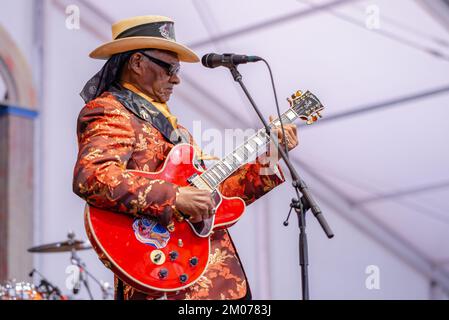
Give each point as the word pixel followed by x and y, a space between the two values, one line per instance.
pixel 171 69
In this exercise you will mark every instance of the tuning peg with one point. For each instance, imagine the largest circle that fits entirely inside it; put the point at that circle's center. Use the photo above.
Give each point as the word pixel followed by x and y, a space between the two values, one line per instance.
pixel 309 121
pixel 293 96
pixel 319 114
pixel 298 93
pixel 290 102
pixel 314 118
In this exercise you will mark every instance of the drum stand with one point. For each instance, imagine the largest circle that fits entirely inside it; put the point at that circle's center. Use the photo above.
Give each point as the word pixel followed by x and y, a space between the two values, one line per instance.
pixel 71 245
pixel 50 291
pixel 84 276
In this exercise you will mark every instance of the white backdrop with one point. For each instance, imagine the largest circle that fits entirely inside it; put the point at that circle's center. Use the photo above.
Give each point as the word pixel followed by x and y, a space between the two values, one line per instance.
pixel 401 147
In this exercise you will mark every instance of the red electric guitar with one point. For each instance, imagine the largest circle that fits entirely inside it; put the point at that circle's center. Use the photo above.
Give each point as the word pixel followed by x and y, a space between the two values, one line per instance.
pixel 147 255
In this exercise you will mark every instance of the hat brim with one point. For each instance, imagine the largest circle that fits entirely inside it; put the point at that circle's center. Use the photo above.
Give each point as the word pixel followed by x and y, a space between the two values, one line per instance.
pixel 108 49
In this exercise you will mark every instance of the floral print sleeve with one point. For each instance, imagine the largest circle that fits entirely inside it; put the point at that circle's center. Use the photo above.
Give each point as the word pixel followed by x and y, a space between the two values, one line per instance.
pixel 106 141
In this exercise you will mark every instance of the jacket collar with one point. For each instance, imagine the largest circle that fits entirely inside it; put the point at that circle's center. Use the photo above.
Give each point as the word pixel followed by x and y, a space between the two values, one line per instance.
pixel 146 111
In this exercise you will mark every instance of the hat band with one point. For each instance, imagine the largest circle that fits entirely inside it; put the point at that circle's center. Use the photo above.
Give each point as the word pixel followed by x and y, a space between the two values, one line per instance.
pixel 163 29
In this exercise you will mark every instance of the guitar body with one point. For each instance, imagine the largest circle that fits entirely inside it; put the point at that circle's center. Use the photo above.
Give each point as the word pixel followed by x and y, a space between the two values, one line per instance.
pixel 146 255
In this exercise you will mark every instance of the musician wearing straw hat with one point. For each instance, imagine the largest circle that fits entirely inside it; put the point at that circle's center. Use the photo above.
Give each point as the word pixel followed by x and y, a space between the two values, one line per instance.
pixel 126 124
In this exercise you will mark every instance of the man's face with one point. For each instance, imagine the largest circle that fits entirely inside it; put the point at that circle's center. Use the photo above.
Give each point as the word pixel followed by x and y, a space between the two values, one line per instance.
pixel 154 79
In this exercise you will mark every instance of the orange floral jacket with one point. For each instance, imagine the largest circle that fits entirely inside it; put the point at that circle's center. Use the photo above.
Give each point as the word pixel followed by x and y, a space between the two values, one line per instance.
pixel 117 133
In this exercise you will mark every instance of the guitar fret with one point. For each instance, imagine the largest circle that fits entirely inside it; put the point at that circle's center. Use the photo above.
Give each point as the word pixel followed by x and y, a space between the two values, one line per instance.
pixel 285 120
pixel 290 115
pixel 237 157
pixel 249 148
pixel 258 141
pixel 221 169
pixel 218 173
pixel 213 173
pixel 245 153
pixel 262 134
pixel 208 179
pixel 227 164
pixel 230 162
pixel 253 145
pixel 263 137
pixel 214 176
pixel 225 168
pixel 240 154
pixel 234 162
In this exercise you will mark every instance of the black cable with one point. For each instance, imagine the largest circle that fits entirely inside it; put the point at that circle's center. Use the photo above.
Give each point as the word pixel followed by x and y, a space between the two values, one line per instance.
pixel 277 106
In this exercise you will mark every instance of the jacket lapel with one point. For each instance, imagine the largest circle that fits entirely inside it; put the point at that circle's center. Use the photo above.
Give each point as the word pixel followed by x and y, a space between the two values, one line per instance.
pixel 147 112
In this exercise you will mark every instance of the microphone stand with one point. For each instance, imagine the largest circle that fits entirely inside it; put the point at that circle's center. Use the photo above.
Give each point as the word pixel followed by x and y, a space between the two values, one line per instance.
pixel 301 204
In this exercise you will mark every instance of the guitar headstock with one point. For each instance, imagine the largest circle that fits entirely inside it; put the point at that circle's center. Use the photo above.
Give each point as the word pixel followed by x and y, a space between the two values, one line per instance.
pixel 306 105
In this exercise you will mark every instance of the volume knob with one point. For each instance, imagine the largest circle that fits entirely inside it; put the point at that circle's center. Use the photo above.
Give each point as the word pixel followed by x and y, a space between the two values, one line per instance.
pixel 183 278
pixel 173 255
pixel 163 273
pixel 193 261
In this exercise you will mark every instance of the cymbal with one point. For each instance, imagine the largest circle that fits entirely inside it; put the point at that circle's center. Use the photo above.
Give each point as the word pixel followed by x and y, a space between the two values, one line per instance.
pixel 64 246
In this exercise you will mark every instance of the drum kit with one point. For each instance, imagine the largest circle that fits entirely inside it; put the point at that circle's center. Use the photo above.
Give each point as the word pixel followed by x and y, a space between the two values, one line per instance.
pixel 45 290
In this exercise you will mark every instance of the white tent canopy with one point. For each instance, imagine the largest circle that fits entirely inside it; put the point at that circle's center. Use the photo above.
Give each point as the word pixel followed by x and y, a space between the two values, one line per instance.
pixel 377 162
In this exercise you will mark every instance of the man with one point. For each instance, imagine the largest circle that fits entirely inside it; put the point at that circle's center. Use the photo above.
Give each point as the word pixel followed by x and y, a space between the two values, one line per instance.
pixel 127 125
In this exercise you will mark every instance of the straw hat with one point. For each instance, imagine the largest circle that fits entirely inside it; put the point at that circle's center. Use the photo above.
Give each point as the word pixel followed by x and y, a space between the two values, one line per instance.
pixel 144 32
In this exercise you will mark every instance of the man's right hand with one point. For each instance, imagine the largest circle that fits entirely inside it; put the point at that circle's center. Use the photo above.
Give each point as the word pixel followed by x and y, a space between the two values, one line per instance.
pixel 194 202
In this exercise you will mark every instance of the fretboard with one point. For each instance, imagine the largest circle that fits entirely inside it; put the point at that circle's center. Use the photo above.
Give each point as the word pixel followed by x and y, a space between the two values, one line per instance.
pixel 250 149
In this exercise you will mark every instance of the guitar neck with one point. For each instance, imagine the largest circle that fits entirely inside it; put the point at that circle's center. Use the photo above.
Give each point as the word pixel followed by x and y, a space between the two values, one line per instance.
pixel 250 149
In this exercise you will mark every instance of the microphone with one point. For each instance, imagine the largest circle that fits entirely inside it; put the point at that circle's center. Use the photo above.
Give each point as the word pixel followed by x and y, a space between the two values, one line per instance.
pixel 213 60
